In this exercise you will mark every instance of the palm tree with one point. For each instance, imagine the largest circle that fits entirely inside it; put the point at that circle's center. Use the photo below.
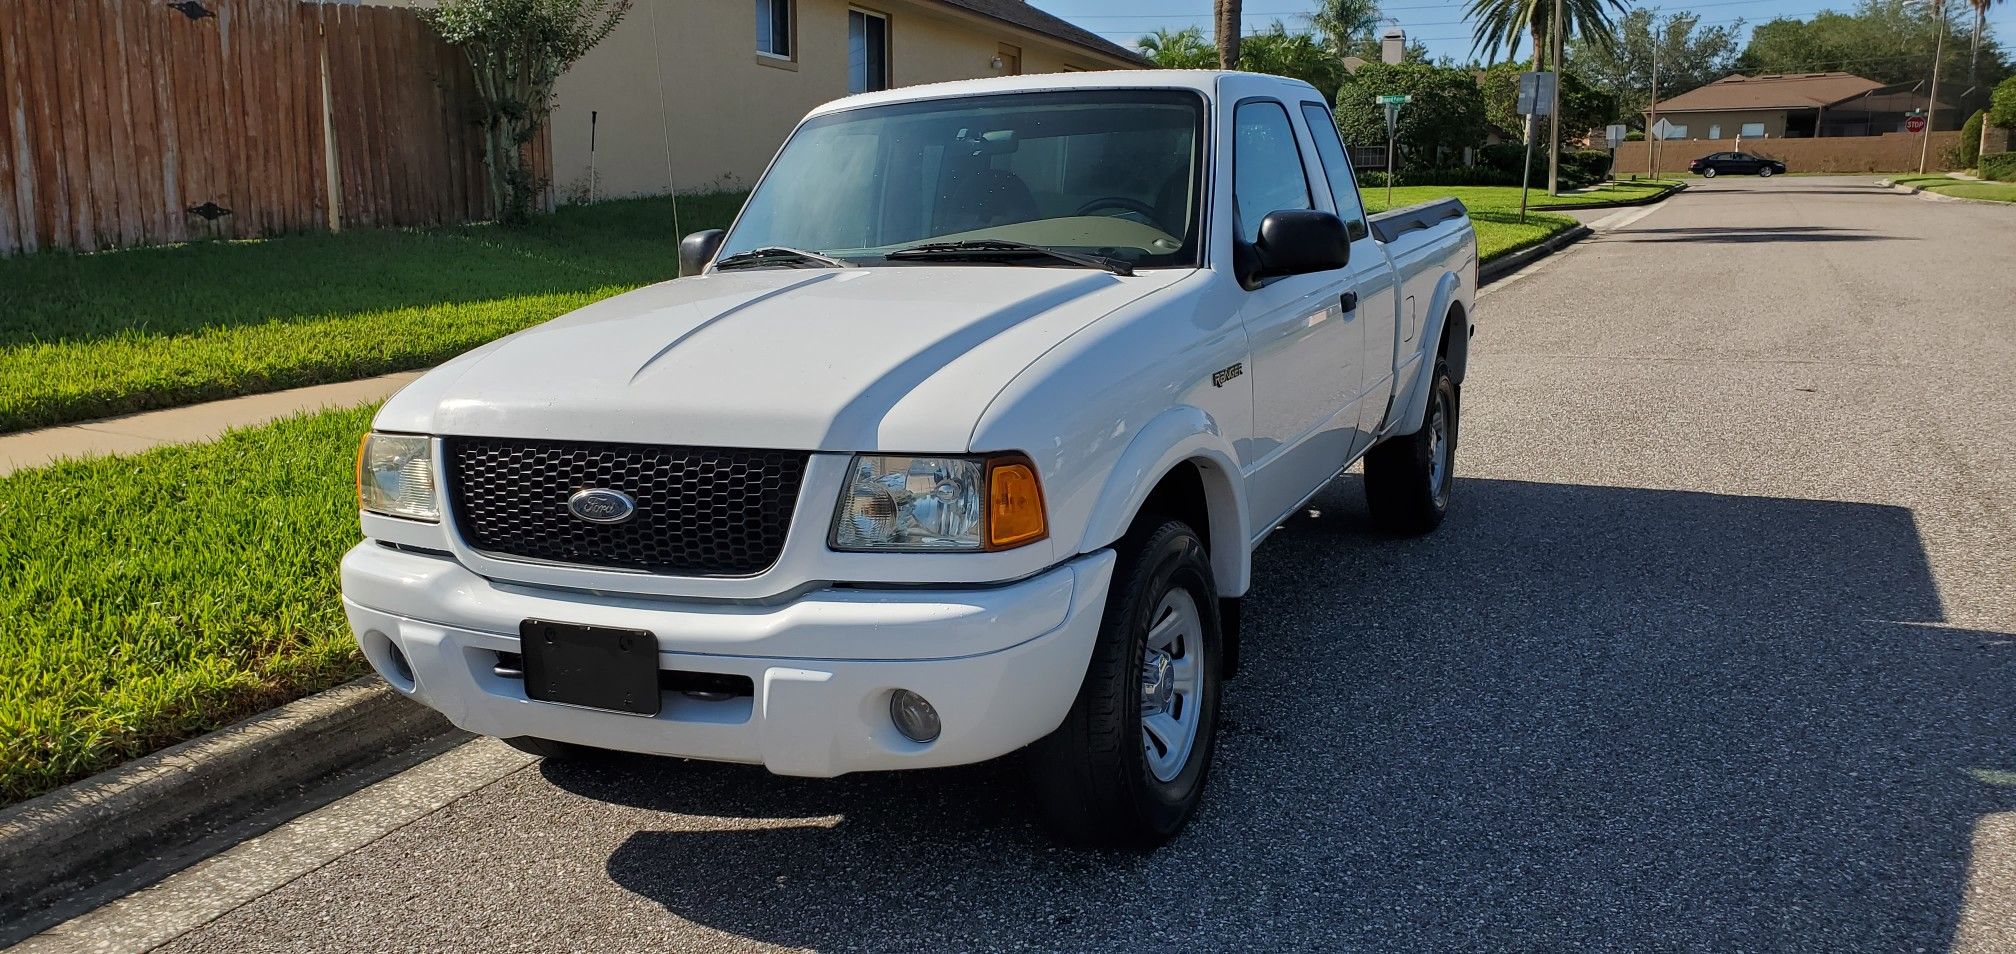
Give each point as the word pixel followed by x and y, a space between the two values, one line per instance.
pixel 1342 22
pixel 1183 49
pixel 1230 16
pixel 1980 24
pixel 1502 24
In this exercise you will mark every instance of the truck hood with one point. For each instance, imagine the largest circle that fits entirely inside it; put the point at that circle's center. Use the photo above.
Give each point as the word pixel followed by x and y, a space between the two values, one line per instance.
pixel 896 358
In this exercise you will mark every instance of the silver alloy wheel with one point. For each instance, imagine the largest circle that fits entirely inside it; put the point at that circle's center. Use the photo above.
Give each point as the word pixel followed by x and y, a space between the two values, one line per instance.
pixel 1172 684
pixel 1438 451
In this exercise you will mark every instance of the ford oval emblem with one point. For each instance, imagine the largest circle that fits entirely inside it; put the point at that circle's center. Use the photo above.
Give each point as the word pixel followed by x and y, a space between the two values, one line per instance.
pixel 597 505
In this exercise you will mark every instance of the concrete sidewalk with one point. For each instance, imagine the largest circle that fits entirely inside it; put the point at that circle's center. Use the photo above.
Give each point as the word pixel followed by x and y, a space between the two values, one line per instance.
pixel 198 422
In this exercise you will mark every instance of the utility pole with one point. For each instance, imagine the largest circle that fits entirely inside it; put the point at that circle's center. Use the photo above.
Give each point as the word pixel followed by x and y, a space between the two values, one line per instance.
pixel 1652 113
pixel 1554 108
pixel 1932 99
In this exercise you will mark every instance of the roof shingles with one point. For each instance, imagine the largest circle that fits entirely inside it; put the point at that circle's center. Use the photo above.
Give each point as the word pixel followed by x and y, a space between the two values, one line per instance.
pixel 1788 91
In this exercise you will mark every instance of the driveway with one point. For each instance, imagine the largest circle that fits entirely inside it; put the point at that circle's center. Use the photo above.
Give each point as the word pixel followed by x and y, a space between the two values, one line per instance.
pixel 1714 653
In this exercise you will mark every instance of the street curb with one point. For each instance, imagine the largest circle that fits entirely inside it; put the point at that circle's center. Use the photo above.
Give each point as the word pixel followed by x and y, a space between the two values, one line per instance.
pixel 1935 196
pixel 91 829
pixel 1646 200
pixel 1499 268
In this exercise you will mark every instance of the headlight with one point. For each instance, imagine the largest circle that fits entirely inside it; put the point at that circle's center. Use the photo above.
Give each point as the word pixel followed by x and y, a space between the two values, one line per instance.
pixel 939 504
pixel 395 476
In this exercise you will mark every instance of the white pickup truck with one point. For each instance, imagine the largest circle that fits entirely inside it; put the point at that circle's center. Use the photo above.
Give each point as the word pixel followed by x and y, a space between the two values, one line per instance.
pixel 957 444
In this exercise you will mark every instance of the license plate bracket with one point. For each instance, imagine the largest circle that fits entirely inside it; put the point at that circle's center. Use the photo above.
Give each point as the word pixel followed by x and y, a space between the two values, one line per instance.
pixel 595 667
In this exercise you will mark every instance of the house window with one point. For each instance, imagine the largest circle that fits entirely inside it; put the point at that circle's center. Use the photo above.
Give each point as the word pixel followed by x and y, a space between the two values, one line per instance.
pixel 1715 131
pixel 1753 130
pixel 773 28
pixel 1675 131
pixel 867 51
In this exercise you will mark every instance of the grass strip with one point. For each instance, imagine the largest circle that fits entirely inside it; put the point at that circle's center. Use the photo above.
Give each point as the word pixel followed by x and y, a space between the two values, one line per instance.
pixel 90 336
pixel 148 599
pixel 1499 231
pixel 1962 188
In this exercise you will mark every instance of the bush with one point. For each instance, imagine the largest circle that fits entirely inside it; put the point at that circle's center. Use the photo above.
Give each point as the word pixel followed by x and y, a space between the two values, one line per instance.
pixel 1968 149
pixel 2002 107
pixel 1446 115
pixel 2000 167
pixel 1584 167
pixel 1452 176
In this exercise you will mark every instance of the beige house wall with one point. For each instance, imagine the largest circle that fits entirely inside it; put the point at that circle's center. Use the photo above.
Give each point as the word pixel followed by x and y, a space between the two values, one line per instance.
pixel 681 99
pixel 1699 124
pixel 1890 152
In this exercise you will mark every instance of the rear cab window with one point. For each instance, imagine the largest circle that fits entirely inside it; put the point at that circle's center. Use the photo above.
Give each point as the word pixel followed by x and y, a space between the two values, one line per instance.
pixel 1336 168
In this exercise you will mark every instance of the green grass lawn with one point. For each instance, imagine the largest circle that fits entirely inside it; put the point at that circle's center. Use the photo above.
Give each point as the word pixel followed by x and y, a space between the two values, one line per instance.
pixel 87 336
pixel 1962 188
pixel 147 599
pixel 1495 212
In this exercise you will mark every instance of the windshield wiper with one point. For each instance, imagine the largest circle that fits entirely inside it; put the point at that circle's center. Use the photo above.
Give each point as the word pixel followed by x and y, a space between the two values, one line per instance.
pixel 982 249
pixel 779 254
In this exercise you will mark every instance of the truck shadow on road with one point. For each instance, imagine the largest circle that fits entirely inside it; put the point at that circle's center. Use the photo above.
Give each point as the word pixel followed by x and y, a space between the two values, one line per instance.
pixel 1736 234
pixel 1577 716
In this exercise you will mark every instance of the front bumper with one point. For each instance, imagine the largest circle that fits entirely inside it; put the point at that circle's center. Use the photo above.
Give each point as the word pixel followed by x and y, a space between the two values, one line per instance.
pixel 1001 664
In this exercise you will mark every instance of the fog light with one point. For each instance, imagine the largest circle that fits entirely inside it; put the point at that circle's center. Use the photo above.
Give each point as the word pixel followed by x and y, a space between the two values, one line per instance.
pixel 399 663
pixel 914 717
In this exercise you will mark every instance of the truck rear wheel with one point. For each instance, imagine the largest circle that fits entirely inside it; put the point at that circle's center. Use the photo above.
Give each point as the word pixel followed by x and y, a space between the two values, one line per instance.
pixel 1127 767
pixel 1408 479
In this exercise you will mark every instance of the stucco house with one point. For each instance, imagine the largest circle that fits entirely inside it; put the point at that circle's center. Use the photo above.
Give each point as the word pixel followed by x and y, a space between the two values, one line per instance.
pixel 697 94
pixel 1797 106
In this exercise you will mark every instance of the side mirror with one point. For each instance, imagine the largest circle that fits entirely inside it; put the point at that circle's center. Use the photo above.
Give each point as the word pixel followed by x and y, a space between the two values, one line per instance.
pixel 1300 241
pixel 696 250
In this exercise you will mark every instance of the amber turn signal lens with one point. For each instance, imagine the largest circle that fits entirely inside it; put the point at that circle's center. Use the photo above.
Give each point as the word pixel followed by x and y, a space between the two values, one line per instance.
pixel 1014 505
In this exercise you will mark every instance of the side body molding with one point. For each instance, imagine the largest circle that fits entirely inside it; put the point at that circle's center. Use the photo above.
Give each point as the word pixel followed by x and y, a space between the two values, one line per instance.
pixel 1180 434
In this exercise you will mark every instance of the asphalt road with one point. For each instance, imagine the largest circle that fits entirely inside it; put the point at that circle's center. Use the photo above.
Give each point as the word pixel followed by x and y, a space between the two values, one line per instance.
pixel 1714 653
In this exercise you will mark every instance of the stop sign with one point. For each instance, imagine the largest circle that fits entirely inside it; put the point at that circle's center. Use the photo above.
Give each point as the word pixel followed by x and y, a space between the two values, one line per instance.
pixel 1914 123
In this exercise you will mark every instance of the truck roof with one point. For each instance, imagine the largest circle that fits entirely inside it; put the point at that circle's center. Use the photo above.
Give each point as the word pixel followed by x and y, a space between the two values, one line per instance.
pixel 1207 82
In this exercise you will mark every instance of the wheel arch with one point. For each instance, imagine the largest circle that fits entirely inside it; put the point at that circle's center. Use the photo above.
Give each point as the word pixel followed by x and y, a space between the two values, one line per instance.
pixel 1449 328
pixel 1185 467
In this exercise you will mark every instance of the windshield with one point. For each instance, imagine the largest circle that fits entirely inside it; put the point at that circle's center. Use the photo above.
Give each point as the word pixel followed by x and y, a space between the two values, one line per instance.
pixel 1109 173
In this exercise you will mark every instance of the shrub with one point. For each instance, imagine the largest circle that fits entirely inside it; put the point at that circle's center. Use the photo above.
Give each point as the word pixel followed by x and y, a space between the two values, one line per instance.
pixel 1968 149
pixel 1583 167
pixel 2000 167
pixel 2002 107
pixel 1452 176
pixel 1446 115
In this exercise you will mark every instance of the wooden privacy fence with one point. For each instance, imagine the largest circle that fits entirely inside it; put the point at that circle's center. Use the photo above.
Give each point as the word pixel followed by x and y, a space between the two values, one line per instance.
pixel 134 122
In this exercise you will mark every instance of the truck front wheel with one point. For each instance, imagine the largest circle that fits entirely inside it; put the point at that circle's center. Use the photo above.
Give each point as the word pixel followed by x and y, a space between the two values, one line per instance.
pixel 1127 767
pixel 1408 479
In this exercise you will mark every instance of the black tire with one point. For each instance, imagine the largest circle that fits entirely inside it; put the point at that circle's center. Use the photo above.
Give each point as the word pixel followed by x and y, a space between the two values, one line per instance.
pixel 550 749
pixel 1091 777
pixel 1708 173
pixel 1401 484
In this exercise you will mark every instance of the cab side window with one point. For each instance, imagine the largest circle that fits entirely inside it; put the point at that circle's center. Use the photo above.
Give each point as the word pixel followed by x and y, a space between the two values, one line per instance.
pixel 1267 173
pixel 1336 167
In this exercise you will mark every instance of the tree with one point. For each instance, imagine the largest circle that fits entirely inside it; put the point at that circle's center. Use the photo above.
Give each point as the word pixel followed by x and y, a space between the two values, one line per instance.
pixel 2002 108
pixel 1502 24
pixel 1583 106
pixel 1690 55
pixel 1447 113
pixel 1183 49
pixel 1230 17
pixel 1343 24
pixel 1980 28
pixel 1295 55
pixel 1889 41
pixel 518 48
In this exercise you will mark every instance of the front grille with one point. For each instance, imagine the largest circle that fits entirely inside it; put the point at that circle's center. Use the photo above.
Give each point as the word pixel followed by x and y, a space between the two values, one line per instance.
pixel 701 511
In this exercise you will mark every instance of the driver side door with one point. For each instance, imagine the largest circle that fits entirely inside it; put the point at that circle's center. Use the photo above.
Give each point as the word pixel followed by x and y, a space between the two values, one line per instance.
pixel 1306 348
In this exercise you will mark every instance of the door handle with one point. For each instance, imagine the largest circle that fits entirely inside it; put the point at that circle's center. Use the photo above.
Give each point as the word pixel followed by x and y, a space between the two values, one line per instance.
pixel 1349 300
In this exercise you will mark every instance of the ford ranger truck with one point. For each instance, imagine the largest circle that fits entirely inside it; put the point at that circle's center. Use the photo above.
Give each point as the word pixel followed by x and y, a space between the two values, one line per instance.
pixel 956 445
